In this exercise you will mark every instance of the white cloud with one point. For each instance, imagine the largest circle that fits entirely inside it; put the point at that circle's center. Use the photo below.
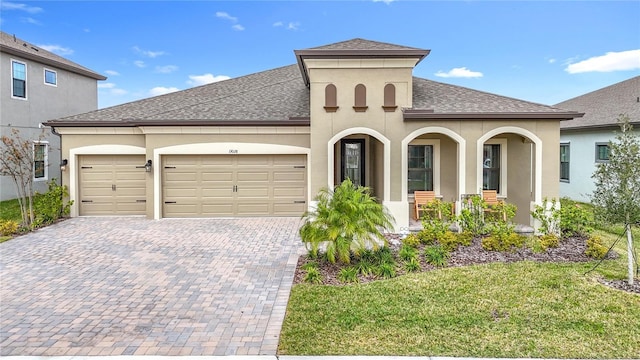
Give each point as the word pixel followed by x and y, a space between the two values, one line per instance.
pixel 237 27
pixel 461 72
pixel 161 90
pixel 30 20
pixel 551 61
pixel 293 26
pixel 167 69
pixel 277 24
pixel 139 63
pixel 57 49
pixel 224 15
pixel 384 1
pixel 148 53
pixel 22 7
pixel 112 89
pixel 611 61
pixel 112 73
pixel 197 80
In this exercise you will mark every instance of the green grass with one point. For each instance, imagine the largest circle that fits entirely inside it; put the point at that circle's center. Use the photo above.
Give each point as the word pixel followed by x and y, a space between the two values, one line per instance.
pixel 10 210
pixel 518 310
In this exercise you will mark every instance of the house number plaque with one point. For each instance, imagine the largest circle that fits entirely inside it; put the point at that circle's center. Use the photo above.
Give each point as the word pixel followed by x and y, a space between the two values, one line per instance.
pixel 233 151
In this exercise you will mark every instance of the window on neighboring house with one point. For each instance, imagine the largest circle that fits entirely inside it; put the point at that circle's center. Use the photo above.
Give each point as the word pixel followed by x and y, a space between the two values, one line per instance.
pixel 360 98
pixel 602 152
pixel 491 167
pixel 564 162
pixel 50 77
pixel 40 161
pixel 19 75
pixel 420 168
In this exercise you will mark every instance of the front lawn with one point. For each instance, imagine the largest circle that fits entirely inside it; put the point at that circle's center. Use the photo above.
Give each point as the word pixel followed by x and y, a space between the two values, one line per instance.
pixel 524 309
pixel 519 310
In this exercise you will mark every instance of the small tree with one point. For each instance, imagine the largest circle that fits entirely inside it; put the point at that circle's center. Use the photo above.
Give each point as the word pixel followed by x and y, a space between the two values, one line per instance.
pixel 347 219
pixel 617 194
pixel 17 160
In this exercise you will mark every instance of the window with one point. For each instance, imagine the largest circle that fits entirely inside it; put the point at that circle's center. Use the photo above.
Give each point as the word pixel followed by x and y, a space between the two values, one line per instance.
pixel 564 162
pixel 19 75
pixel 491 167
pixel 330 98
pixel 602 152
pixel 50 77
pixel 389 98
pixel 360 98
pixel 40 161
pixel 420 168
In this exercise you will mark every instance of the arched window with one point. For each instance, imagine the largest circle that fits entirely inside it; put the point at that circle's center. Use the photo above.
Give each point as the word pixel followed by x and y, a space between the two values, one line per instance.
pixel 389 98
pixel 360 98
pixel 330 98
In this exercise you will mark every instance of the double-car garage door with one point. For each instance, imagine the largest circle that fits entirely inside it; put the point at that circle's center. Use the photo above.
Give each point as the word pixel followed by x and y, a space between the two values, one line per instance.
pixel 197 185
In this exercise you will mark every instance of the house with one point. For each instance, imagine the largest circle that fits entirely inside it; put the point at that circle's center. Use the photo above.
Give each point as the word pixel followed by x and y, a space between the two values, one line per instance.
pixel 584 142
pixel 37 85
pixel 264 144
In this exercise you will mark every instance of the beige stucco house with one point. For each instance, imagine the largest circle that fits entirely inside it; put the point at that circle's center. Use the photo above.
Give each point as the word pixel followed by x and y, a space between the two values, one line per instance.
pixel 265 143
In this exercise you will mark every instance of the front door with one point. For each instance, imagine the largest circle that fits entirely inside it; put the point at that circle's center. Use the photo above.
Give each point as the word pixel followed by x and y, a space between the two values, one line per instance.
pixel 353 161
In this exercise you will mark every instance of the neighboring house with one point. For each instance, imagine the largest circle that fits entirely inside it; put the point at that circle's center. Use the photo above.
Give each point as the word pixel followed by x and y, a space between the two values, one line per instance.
pixel 264 144
pixel 37 85
pixel 584 142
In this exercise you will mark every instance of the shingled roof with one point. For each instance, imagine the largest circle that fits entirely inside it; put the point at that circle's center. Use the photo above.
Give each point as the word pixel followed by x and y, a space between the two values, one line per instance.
pixel 602 107
pixel 10 44
pixel 280 97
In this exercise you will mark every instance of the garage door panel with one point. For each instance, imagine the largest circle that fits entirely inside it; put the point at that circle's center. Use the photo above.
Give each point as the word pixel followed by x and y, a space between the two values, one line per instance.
pixel 112 185
pixel 234 185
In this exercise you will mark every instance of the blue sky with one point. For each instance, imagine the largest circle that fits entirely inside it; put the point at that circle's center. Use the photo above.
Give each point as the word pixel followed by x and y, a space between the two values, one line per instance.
pixel 540 51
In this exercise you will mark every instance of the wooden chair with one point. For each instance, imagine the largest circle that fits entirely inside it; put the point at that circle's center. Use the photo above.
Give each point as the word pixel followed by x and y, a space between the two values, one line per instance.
pixel 490 197
pixel 422 198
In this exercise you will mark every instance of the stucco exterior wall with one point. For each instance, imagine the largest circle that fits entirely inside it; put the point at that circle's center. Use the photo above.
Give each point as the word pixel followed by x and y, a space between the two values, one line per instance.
pixel 73 94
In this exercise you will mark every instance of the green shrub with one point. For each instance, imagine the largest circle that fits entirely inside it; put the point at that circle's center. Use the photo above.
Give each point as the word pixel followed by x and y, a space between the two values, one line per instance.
pixel 386 270
pixel 548 215
pixel 8 227
pixel 348 274
pixel 407 252
pixel 365 267
pixel 51 206
pixel 575 219
pixel 383 255
pixel 411 240
pixel 436 255
pixel 451 241
pixel 346 218
pixel 549 241
pixel 412 265
pixel 502 241
pixel 309 265
pixel 313 276
pixel 471 218
pixel 595 247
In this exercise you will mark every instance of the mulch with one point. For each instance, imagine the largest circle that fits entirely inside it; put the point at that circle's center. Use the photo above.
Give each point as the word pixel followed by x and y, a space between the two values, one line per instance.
pixel 569 250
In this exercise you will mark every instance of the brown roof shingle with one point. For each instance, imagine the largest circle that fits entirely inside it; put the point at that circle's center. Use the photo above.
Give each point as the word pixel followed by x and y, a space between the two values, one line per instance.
pixel 13 45
pixel 602 107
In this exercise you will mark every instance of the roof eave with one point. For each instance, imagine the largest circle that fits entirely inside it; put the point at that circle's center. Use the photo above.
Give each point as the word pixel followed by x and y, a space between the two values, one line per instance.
pixel 46 61
pixel 301 55
pixel 412 115
pixel 293 121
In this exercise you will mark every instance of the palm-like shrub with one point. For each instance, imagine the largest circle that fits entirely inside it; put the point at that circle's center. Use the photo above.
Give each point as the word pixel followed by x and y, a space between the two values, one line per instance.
pixel 348 219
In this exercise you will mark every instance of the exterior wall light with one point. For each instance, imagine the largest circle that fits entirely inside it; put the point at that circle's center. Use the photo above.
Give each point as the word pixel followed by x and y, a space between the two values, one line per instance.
pixel 63 165
pixel 147 166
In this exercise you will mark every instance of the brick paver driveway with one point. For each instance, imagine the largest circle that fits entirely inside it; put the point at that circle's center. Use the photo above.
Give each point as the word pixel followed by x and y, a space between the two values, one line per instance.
pixel 132 286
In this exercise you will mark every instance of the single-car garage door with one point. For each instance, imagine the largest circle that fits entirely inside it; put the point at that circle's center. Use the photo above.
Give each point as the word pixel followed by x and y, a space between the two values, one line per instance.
pixel 234 185
pixel 112 185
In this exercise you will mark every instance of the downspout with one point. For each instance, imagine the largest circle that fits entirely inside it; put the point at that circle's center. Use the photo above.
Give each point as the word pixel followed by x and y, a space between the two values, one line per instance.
pixel 54 132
